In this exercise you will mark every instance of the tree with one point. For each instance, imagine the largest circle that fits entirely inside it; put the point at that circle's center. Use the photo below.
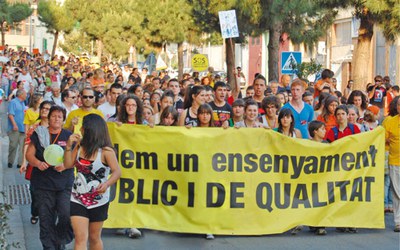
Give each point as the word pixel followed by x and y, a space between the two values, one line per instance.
pixel 250 21
pixel 170 22
pixel 305 69
pixel 303 20
pixel 117 25
pixel 76 42
pixel 12 15
pixel 56 19
pixel 385 14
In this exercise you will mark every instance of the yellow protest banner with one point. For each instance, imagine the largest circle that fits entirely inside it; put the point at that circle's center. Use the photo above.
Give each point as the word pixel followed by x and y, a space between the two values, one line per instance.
pixel 244 181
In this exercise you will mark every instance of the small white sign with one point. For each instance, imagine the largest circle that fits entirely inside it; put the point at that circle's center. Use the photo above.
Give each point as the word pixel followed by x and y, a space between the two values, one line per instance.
pixel 228 23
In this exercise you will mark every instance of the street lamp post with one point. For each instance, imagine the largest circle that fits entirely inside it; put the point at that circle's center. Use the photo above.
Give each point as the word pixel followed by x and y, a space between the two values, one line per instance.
pixel 33 32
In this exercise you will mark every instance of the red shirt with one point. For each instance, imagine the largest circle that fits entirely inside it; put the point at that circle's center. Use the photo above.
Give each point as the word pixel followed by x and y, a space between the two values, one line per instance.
pixel 347 131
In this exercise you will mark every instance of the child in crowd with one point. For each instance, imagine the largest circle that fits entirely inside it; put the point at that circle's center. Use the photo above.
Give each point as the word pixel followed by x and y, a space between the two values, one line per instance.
pixel 238 113
pixel 169 117
pixel 371 115
pixel 343 128
pixel 250 91
pixel 148 115
pixel 286 124
pixel 205 116
pixel 328 112
pixel 251 115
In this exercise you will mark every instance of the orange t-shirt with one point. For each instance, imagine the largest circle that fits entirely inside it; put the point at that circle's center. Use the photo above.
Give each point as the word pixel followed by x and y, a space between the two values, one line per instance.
pixel 316 87
pixel 97 81
pixel 329 124
pixel 389 98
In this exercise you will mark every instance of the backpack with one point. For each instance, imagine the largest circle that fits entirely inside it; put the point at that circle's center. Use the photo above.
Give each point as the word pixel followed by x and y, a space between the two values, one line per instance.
pixel 336 130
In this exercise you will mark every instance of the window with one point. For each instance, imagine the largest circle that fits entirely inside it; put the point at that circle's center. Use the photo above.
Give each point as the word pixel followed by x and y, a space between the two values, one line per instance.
pixel 343 33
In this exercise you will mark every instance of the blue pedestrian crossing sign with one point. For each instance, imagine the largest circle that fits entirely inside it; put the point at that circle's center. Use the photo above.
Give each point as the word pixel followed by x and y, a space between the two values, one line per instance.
pixel 289 60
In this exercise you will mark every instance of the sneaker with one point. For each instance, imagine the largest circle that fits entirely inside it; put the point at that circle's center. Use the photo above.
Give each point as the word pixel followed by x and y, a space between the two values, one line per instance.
pixel 210 236
pixel 9 165
pixel 34 220
pixel 397 228
pixel 321 231
pixel 296 230
pixel 134 233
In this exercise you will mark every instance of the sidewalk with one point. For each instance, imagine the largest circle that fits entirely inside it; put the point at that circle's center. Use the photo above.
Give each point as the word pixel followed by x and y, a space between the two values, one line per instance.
pixel 7 178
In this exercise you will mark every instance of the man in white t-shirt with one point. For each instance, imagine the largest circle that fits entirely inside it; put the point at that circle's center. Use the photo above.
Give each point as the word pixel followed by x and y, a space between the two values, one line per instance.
pixel 125 73
pixel 108 108
pixel 26 78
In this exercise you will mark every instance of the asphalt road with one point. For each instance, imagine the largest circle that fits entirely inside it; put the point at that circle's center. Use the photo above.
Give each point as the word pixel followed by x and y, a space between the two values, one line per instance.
pixel 28 234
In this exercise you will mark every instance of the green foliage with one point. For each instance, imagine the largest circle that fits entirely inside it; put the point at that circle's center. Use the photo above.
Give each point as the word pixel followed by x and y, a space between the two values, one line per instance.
pixel 14 13
pixel 19 12
pixel 147 25
pixel 249 13
pixel 384 13
pixel 167 21
pixel 116 24
pixel 76 42
pixel 304 21
pixel 305 69
pixel 215 39
pixel 387 16
pixel 4 227
pixel 55 17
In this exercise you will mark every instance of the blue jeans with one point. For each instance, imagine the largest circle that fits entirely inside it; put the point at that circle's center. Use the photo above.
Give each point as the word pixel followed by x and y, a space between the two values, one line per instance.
pixel 6 89
pixel 388 194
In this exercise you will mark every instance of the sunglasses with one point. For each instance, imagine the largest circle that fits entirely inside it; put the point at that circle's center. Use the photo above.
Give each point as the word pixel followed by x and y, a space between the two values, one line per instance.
pixel 88 96
pixel 72 97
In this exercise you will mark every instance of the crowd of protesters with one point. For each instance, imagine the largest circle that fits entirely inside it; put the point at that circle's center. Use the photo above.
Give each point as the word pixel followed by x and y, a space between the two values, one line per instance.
pixel 71 89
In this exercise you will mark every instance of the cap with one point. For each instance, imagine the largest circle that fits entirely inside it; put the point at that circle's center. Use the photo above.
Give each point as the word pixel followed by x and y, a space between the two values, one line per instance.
pixel 374 109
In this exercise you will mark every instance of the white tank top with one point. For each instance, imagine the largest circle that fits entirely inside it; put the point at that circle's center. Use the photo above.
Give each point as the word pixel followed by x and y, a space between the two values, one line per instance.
pixel 89 176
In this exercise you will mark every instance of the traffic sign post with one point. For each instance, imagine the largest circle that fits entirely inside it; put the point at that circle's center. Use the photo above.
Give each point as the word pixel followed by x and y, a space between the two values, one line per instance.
pixel 289 60
pixel 199 62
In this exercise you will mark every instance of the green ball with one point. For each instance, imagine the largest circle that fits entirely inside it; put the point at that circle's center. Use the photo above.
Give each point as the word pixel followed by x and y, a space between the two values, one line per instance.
pixel 54 155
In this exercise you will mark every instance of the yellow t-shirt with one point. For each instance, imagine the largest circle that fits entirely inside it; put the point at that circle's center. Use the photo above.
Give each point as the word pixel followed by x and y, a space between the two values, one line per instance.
pixel 30 117
pixel 76 75
pixel 80 113
pixel 392 127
